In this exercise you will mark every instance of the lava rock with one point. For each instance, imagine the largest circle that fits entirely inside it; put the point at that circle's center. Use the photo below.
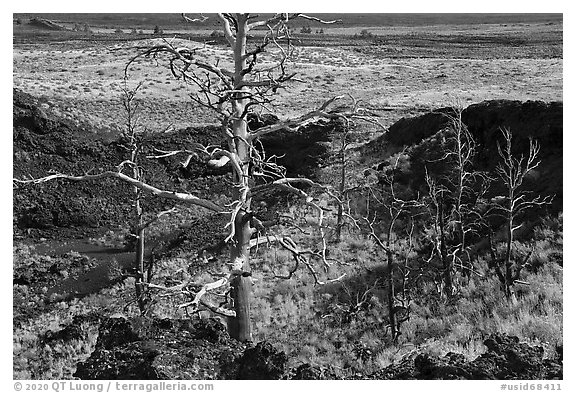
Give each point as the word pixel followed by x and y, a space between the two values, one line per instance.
pixel 171 350
pixel 300 151
pixel 114 332
pixel 308 371
pixel 131 361
pixel 506 358
pixel 262 362
pixel 69 332
pixel 211 330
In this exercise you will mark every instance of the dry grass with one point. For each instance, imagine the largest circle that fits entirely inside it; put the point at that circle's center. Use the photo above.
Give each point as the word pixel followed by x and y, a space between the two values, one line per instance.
pixel 85 82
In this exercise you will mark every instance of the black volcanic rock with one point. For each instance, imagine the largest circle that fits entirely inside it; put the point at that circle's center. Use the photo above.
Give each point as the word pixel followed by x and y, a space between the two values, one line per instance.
pixel 172 349
pixel 201 349
pixel 178 350
pixel 308 371
pixel 506 358
pixel 423 138
pixel 114 332
pixel 44 142
pixel 537 119
pixel 262 362
pixel 300 151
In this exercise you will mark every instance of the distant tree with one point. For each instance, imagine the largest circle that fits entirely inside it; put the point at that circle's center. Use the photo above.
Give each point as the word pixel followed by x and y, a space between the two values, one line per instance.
pixel 19 21
pixel 217 34
pixel 87 28
pixel 118 31
pixel 306 30
pixel 133 31
pixel 366 34
pixel 158 30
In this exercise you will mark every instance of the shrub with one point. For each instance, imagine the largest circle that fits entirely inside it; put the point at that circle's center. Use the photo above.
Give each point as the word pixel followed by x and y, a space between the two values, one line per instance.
pixel 366 34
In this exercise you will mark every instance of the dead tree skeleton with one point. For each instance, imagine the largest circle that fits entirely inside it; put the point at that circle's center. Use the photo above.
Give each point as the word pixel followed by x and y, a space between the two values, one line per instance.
pixel 454 199
pixel 394 207
pixel 511 172
pixel 134 140
pixel 231 93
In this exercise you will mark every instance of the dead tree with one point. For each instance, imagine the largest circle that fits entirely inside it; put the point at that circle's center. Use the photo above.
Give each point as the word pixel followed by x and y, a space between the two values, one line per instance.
pixel 133 145
pixel 511 172
pixel 134 140
pixel 437 206
pixel 383 230
pixel 346 125
pixel 232 91
pixel 454 198
pixel 344 143
pixel 462 182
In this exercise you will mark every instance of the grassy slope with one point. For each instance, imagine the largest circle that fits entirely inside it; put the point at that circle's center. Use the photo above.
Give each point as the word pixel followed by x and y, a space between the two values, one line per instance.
pixel 310 322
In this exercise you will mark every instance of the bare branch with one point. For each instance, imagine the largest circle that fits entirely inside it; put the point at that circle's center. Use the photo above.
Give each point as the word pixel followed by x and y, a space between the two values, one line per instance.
pixel 285 17
pixel 177 196
pixel 218 309
pixel 157 217
pixel 230 36
pixel 205 288
pixel 320 112
pixel 201 18
pixel 298 255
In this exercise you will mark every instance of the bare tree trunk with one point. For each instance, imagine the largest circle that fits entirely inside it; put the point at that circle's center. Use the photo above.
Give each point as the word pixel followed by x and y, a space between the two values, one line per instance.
pixel 446 261
pixel 139 232
pixel 512 172
pixel 341 188
pixel 140 288
pixel 508 263
pixel 390 294
pixel 240 326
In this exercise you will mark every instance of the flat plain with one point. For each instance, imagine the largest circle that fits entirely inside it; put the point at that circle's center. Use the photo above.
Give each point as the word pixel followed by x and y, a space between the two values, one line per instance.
pixel 400 68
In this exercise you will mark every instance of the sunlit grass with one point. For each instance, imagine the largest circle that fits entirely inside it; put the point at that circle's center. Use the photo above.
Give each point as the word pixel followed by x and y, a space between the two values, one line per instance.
pixel 309 321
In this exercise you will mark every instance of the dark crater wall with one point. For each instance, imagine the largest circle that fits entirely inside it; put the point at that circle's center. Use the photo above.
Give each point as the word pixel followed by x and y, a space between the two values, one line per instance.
pixel 44 143
pixel 422 138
